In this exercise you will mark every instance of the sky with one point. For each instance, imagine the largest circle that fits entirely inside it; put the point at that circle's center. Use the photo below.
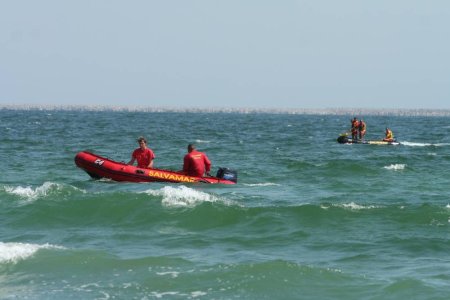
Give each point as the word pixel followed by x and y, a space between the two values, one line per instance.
pixel 226 53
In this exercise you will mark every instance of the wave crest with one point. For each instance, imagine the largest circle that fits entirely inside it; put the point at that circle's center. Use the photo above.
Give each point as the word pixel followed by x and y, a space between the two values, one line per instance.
pixel 261 184
pixel 30 194
pixel 14 252
pixel 395 167
pixel 183 196
pixel 354 206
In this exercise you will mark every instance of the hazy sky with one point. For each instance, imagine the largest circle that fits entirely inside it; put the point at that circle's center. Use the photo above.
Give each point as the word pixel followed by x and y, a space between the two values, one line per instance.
pixel 228 53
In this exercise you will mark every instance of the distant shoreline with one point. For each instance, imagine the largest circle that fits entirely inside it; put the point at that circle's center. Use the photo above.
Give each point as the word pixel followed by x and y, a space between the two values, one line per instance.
pixel 239 110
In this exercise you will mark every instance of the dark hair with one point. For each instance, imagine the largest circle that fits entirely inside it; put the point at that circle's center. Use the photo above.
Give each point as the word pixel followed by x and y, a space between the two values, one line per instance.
pixel 141 139
pixel 191 147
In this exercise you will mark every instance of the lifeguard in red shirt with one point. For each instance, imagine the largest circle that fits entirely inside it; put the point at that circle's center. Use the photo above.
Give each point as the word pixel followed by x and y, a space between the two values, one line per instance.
pixel 196 163
pixel 143 155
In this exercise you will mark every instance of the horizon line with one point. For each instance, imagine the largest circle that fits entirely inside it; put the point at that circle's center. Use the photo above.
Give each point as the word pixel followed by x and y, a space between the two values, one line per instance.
pixel 242 110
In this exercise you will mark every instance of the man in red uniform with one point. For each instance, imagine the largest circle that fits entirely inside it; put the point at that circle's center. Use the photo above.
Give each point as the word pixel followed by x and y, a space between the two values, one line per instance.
pixel 143 155
pixel 196 163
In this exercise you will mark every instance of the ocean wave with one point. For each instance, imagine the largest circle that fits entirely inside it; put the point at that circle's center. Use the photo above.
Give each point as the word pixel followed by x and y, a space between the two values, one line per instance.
pixel 395 167
pixel 30 194
pixel 354 206
pixel 14 252
pixel 172 274
pixel 183 196
pixel 202 141
pixel 415 144
pixel 262 184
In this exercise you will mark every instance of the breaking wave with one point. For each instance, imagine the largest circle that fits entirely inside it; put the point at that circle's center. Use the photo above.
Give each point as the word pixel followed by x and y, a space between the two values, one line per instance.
pixel 352 206
pixel 395 167
pixel 262 184
pixel 30 194
pixel 183 196
pixel 14 252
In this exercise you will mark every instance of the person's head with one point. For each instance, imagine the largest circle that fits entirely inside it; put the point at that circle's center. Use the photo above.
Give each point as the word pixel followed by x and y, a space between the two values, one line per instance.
pixel 191 147
pixel 142 142
pixel 387 129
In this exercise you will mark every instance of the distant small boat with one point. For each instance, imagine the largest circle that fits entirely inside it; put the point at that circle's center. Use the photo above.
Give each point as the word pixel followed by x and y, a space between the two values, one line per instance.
pixel 100 167
pixel 344 139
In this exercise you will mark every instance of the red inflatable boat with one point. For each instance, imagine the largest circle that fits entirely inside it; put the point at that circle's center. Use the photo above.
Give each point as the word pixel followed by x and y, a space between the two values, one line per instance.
pixel 100 167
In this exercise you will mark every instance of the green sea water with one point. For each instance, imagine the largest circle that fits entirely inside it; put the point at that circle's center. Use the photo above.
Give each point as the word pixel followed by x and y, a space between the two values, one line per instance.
pixel 308 219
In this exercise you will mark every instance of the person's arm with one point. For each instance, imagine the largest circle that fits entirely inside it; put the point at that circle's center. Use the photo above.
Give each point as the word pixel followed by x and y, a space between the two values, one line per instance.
pixel 186 164
pixel 207 164
pixel 152 157
pixel 133 159
pixel 150 165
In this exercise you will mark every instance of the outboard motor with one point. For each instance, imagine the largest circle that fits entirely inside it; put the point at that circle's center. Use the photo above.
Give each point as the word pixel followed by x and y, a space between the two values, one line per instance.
pixel 227 174
pixel 343 139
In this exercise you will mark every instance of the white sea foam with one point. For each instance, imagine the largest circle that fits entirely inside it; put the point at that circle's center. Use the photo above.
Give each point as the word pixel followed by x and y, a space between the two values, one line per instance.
pixel 262 184
pixel 354 206
pixel 448 205
pixel 172 274
pixel 183 196
pixel 413 144
pixel 13 252
pixel 32 194
pixel 395 167
pixel 197 294
pixel 202 142
pixel 163 294
pixel 29 194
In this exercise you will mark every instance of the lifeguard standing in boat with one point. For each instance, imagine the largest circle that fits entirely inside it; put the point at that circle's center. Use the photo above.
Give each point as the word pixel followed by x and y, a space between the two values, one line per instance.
pixel 355 128
pixel 143 155
pixel 362 129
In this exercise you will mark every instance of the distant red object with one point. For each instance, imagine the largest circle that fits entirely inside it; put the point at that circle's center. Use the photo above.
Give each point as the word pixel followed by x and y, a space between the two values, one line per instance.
pixel 100 167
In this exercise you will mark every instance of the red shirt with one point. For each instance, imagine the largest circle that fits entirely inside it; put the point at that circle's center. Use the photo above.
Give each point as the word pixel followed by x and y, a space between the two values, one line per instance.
pixel 196 164
pixel 143 157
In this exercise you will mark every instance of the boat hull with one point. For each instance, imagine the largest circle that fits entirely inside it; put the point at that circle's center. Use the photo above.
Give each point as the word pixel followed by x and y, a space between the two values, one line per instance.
pixel 346 140
pixel 100 167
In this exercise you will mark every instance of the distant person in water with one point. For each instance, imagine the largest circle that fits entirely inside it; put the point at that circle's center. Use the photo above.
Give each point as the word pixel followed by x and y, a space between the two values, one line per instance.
pixel 389 135
pixel 355 128
pixel 362 129
pixel 143 155
pixel 196 163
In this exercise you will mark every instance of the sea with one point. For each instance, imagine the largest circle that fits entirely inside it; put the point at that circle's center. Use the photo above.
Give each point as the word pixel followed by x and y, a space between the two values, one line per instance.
pixel 308 219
